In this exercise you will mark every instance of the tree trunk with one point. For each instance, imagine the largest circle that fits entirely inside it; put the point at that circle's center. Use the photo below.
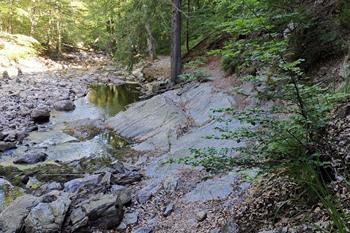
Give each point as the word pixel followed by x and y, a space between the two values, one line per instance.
pixel 188 26
pixel 59 38
pixel 176 41
pixel 150 42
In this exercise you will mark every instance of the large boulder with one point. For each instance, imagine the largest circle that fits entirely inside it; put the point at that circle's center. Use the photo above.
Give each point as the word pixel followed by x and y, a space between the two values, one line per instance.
pixel 64 105
pixel 48 216
pixel 40 115
pixel 75 185
pixel 102 211
pixel 31 158
pixel 152 122
pixel 12 218
pixel 4 146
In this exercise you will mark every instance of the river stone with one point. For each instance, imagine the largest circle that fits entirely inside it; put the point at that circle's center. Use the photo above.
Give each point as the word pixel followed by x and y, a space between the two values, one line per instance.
pixel 40 115
pixel 48 217
pixel 76 184
pixel 4 146
pixel 64 105
pixel 12 218
pixel 31 158
pixel 102 211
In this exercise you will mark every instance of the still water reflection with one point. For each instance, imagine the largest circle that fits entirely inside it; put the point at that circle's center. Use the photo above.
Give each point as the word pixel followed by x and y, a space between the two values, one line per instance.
pixel 113 99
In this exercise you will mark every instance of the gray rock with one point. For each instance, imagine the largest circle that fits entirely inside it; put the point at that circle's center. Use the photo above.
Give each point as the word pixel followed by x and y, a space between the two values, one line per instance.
pixel 2 136
pixel 64 105
pixel 214 189
pixel 12 218
pixel 48 187
pixel 101 211
pixel 168 209
pixel 33 183
pixel 31 158
pixel 48 217
pixel 130 218
pixel 4 146
pixel 143 230
pixel 5 75
pixel 201 216
pixel 40 115
pixel 76 184
pixel 230 227
pixel 146 193
pixel 123 193
pixel 159 116
pixel 170 183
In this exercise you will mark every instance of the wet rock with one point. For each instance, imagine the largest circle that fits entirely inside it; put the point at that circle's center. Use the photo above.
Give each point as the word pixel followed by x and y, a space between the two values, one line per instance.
pixel 101 211
pixel 201 216
pixel 168 209
pixel 143 230
pixel 31 158
pixel 86 182
pixel 4 146
pixel 64 105
pixel 85 129
pixel 48 217
pixel 40 115
pixel 12 218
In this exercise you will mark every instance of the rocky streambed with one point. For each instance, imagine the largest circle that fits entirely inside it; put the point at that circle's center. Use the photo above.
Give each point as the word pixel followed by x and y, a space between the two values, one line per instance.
pixel 77 156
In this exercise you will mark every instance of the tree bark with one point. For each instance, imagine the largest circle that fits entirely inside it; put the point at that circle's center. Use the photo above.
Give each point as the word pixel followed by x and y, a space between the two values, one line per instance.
pixel 176 41
pixel 150 42
pixel 188 25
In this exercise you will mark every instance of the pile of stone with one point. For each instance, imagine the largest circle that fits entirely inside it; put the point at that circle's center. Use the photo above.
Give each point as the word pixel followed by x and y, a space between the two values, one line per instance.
pixel 92 202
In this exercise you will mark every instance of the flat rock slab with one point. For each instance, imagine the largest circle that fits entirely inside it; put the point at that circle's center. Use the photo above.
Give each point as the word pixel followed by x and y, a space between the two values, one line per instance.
pixel 50 138
pixel 214 189
pixel 151 122
pixel 158 122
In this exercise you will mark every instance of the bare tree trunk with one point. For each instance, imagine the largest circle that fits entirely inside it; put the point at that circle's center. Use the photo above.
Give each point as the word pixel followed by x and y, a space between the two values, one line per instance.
pixel 188 26
pixel 150 42
pixel 59 38
pixel 176 41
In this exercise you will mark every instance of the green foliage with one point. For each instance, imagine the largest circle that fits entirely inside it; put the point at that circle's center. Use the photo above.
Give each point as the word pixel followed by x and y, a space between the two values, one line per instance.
pixel 195 75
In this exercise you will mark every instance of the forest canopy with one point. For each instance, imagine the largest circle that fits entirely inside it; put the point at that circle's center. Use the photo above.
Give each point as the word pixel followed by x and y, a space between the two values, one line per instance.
pixel 131 29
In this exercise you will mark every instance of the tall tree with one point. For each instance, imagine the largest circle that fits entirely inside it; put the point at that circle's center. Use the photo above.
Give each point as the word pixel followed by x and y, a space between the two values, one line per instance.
pixel 176 41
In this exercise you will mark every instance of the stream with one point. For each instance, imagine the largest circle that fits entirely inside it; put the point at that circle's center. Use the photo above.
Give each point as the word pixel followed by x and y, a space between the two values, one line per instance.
pixel 58 139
